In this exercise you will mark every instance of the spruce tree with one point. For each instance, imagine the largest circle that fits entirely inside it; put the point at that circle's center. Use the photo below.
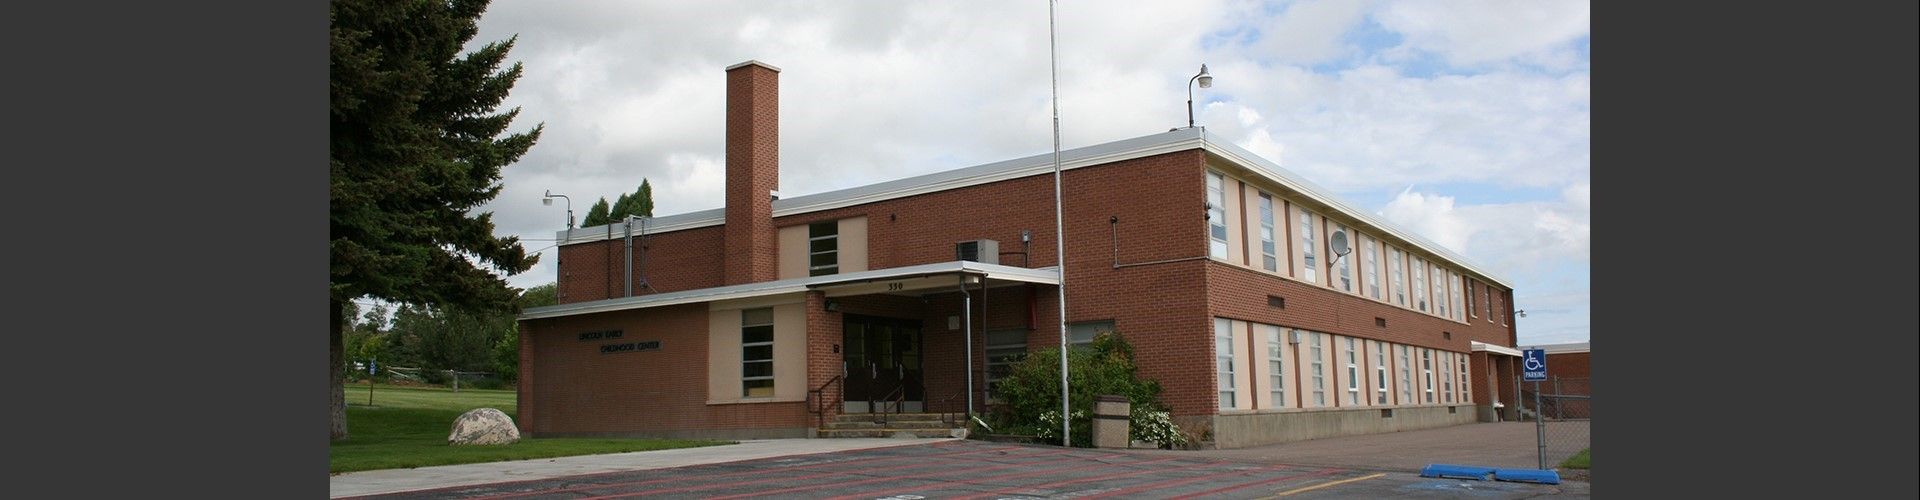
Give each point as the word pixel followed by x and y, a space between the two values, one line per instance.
pixel 597 215
pixel 415 148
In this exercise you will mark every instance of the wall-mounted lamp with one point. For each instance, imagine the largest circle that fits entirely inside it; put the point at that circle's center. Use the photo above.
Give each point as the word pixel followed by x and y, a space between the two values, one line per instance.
pixel 833 306
pixel 1521 313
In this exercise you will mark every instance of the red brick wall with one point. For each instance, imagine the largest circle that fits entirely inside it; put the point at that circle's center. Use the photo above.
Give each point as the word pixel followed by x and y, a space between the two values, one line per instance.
pixel 1570 365
pixel 568 386
pixel 680 260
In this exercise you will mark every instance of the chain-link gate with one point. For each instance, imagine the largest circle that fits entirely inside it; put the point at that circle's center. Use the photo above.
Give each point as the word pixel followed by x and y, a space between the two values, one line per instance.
pixel 1562 408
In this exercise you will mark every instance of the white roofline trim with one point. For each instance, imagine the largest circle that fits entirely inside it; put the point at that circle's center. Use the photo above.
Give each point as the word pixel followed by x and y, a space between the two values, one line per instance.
pixel 1045 276
pixel 1483 346
pixel 1138 147
pixel 1568 348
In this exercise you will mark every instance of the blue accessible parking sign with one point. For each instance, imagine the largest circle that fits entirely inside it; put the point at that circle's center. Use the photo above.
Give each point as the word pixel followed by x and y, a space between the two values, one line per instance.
pixel 1534 365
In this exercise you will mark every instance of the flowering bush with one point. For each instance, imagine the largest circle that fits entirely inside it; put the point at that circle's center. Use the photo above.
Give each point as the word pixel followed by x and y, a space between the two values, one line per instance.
pixel 1050 423
pixel 1156 427
pixel 1104 366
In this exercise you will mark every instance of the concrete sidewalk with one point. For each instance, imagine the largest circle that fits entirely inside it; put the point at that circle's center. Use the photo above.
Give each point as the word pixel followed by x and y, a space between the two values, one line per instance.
pixel 397 480
pixel 1500 444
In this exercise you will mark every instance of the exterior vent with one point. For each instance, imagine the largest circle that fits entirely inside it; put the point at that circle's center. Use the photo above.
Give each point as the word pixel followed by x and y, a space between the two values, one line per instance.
pixel 982 251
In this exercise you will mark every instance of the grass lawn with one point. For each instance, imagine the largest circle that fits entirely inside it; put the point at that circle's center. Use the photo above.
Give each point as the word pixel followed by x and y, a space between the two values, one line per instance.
pixel 407 427
pixel 1579 460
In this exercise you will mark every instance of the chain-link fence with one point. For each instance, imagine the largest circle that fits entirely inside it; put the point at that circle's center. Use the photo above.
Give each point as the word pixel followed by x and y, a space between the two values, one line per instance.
pixel 1562 408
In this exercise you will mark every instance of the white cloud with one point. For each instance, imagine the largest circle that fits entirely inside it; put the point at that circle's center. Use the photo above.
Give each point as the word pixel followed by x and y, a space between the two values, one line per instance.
pixel 1312 31
pixel 1476 32
pixel 1513 238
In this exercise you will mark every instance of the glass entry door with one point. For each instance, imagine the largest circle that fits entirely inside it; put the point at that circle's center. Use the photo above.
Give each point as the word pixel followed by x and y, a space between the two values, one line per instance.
pixel 882 360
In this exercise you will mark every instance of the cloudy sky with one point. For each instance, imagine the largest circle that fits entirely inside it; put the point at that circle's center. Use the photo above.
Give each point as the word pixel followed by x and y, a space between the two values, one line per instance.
pixel 1468 121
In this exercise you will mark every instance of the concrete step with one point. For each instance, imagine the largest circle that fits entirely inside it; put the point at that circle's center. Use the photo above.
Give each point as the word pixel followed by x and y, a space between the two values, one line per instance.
pixel 887 433
pixel 896 417
pixel 892 424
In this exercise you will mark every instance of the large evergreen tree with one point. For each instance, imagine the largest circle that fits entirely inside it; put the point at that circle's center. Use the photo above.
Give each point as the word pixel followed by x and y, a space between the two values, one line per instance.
pixel 597 215
pixel 415 146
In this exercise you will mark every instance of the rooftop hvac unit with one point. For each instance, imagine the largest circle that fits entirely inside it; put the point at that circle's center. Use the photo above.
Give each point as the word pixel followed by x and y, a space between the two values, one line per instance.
pixel 982 251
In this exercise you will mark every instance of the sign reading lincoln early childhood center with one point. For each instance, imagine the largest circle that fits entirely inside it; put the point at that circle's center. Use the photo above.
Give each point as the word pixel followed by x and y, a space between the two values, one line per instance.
pixel 1534 367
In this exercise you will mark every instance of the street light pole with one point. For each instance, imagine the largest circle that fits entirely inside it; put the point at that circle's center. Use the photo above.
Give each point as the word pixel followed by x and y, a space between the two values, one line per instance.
pixel 547 200
pixel 1206 82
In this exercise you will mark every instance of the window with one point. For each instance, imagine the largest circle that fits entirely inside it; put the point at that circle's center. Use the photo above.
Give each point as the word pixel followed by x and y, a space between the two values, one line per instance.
pixel 1426 371
pixel 1489 291
pixel 1453 289
pixel 1353 371
pixel 1419 283
pixel 1439 290
pixel 1503 311
pixel 1398 266
pixel 1081 334
pixel 756 353
pixel 1319 376
pixel 1372 271
pixel 1406 375
pixel 1446 376
pixel 1004 348
pixel 1309 272
pixel 1469 289
pixel 1217 214
pixel 1460 371
pixel 823 248
pixel 1345 265
pixel 1223 356
pixel 1380 372
pixel 1267 247
pixel 1276 365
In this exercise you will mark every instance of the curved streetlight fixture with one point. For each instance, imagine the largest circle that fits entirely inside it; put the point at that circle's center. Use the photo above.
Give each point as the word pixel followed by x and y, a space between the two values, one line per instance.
pixel 547 200
pixel 1206 82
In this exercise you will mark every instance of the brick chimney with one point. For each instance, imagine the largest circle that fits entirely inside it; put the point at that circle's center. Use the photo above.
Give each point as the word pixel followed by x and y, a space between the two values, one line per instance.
pixel 753 171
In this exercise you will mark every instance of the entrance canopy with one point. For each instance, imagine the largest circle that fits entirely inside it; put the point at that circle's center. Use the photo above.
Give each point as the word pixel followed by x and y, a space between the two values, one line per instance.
pixel 898 279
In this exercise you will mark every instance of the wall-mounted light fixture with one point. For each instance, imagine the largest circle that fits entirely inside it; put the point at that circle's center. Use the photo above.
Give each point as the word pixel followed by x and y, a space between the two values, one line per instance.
pixel 833 306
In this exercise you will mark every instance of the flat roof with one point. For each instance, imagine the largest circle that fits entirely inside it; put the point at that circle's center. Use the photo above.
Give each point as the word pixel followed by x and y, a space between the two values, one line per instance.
pixel 1166 142
pixel 1483 346
pixel 1044 276
pixel 1567 348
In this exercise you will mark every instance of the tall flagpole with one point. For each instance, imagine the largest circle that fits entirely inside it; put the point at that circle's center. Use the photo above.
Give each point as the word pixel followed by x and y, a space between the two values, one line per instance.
pixel 1059 234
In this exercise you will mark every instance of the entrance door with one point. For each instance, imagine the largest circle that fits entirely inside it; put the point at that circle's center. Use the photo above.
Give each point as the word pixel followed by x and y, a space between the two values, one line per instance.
pixel 882 362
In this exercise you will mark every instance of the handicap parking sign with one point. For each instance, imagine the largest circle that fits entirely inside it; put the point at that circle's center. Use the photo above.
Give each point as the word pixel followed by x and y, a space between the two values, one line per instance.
pixel 1534 365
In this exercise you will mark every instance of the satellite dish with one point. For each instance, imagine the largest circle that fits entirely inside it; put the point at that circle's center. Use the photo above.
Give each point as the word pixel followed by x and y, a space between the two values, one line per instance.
pixel 1339 243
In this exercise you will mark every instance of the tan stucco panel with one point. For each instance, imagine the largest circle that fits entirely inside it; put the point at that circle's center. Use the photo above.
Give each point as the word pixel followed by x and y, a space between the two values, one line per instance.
pixel 1235 217
pixel 723 356
pixel 853 245
pixel 790 351
pixel 793 252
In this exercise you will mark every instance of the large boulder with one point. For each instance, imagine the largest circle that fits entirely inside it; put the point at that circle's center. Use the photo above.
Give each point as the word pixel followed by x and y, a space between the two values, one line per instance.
pixel 483 426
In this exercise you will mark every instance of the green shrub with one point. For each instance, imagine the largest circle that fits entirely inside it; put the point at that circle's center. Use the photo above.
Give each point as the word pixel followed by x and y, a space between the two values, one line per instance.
pixel 1032 388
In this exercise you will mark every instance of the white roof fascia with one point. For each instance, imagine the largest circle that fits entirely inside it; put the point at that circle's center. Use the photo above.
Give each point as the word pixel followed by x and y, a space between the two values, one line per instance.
pixel 1483 346
pixel 1047 276
pixel 1273 172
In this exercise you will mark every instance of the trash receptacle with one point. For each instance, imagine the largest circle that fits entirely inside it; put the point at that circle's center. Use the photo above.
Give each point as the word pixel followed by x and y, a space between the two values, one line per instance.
pixel 1110 422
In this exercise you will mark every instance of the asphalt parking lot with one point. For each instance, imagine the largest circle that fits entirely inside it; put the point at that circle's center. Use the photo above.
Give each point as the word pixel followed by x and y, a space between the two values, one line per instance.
pixel 974 469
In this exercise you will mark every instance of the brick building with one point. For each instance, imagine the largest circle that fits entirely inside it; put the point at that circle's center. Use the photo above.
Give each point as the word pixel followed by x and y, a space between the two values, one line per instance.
pixel 772 315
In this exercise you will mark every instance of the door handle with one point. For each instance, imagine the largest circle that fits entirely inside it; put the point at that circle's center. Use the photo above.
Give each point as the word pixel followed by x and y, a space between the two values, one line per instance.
pixel 900 372
pixel 873 370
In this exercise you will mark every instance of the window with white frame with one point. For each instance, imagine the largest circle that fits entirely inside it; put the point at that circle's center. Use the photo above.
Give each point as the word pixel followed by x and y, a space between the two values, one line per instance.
pixel 1419 283
pixel 1439 289
pixel 1489 291
pixel 1217 215
pixel 1081 334
pixel 1310 267
pixel 756 353
pixel 1406 375
pixel 1353 371
pixel 1372 270
pixel 1460 370
pixel 1469 290
pixel 1453 289
pixel 1004 349
pixel 1276 364
pixel 1426 371
pixel 823 248
pixel 1223 355
pixel 1343 266
pixel 1397 265
pixel 1319 370
pixel 1380 372
pixel 1268 248
pixel 1446 376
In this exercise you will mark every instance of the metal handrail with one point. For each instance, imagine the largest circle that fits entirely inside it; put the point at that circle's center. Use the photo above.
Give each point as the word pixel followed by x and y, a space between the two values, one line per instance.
pixel 818 396
pixel 898 396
